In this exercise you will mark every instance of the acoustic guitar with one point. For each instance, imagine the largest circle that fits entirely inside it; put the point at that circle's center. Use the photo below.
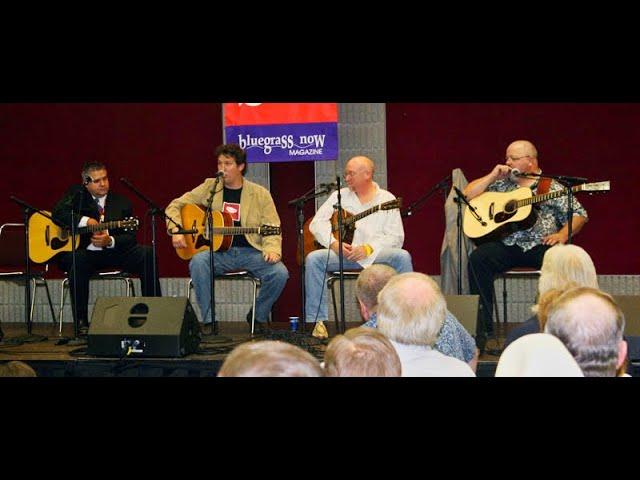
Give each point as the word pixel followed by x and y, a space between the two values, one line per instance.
pixel 502 213
pixel 194 218
pixel 46 239
pixel 348 225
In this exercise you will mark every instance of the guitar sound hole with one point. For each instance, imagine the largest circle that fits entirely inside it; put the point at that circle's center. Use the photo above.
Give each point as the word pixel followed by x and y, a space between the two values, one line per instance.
pixel 510 207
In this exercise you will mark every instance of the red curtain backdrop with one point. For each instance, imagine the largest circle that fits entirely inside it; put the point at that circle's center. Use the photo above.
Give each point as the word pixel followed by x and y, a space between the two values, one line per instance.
pixel 597 141
pixel 166 149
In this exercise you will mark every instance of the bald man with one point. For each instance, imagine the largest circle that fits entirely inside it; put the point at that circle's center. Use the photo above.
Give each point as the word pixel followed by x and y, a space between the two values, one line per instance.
pixel 521 248
pixel 378 237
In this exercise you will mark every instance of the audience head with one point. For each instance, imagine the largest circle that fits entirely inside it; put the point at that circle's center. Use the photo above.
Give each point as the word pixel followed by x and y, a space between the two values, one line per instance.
pixel 591 325
pixel 16 369
pixel 361 352
pixel 270 358
pixel 565 264
pixel 411 309
pixel 370 281
pixel 537 355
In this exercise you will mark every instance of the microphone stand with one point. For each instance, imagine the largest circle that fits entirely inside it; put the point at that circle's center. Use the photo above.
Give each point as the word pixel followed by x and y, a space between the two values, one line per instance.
pixel 153 211
pixel 340 256
pixel 460 199
pixel 567 182
pixel 27 272
pixel 417 205
pixel 209 217
pixel 298 203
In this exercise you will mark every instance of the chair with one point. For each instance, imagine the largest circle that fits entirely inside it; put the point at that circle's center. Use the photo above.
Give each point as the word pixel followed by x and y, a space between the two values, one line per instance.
pixel 12 263
pixel 520 272
pixel 465 309
pixel 236 275
pixel 333 277
pixel 99 275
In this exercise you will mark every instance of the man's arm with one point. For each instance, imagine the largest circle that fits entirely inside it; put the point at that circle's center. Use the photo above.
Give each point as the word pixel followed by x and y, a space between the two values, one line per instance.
pixel 480 185
pixel 197 196
pixel 562 235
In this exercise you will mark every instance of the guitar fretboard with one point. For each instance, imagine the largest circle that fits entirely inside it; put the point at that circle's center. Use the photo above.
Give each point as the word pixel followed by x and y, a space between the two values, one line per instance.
pixel 103 226
pixel 546 196
pixel 235 230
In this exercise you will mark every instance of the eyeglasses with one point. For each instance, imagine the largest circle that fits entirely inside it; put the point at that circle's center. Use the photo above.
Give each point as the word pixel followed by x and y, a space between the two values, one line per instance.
pixel 350 174
pixel 513 159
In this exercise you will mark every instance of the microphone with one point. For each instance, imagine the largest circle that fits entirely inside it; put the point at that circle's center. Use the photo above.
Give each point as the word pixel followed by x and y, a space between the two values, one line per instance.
pixel 219 174
pixel 125 181
pixel 329 186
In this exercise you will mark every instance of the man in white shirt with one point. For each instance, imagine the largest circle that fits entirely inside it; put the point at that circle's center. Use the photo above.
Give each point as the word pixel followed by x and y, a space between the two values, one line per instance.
pixel 411 313
pixel 378 236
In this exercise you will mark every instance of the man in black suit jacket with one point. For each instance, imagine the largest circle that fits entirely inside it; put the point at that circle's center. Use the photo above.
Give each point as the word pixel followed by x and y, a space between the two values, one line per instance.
pixel 92 203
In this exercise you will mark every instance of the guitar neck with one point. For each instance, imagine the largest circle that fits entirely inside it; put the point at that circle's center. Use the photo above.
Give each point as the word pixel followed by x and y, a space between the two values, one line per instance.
pixel 546 196
pixel 235 230
pixel 355 218
pixel 101 226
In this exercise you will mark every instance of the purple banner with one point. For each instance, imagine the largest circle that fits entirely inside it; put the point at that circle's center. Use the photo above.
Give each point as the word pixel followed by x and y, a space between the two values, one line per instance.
pixel 286 142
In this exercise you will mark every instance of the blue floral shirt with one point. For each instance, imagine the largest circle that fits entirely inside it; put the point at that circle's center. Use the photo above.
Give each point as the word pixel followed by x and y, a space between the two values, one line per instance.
pixel 552 214
pixel 453 340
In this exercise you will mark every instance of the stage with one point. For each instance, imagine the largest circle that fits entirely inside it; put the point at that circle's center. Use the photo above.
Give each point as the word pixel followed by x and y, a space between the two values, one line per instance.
pixel 51 359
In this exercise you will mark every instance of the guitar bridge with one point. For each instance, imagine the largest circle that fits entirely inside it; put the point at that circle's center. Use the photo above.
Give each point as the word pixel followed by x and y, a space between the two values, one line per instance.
pixel 491 211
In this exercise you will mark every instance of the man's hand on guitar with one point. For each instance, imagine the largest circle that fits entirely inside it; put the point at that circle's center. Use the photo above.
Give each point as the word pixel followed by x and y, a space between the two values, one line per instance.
pixel 357 253
pixel 101 239
pixel 271 257
pixel 346 248
pixel 555 238
pixel 178 241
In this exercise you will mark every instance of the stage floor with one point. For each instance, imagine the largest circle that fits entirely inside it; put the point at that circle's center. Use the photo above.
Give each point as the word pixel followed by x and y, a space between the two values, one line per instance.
pixel 48 353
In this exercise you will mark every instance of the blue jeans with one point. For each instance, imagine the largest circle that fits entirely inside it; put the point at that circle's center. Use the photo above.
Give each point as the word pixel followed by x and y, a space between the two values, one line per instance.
pixel 272 276
pixel 315 276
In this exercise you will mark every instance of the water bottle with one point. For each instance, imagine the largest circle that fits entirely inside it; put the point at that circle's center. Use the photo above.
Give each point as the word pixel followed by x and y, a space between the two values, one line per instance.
pixel 293 323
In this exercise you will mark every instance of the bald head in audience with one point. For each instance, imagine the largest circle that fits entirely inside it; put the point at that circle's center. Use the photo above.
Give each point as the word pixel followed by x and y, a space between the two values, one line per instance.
pixel 361 352
pixel 270 358
pixel 411 309
pixel 370 281
pixel 590 324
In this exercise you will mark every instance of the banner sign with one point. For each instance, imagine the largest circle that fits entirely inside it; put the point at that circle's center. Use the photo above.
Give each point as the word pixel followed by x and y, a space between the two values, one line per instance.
pixel 283 132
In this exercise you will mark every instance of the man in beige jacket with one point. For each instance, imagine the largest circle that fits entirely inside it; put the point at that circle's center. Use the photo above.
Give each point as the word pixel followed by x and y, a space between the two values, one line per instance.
pixel 250 205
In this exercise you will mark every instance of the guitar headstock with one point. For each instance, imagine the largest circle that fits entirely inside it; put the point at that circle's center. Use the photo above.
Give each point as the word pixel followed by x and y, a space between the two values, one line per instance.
pixel 266 230
pixel 129 224
pixel 391 204
pixel 596 187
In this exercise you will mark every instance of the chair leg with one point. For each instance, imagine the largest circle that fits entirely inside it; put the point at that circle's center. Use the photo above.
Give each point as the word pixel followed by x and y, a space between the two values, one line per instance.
pixel 504 302
pixel 64 283
pixel 53 313
pixel 34 289
pixel 496 309
pixel 331 284
pixel 253 310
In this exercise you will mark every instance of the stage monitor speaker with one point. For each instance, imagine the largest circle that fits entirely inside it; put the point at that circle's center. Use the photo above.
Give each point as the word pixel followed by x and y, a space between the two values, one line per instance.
pixel 465 309
pixel 143 327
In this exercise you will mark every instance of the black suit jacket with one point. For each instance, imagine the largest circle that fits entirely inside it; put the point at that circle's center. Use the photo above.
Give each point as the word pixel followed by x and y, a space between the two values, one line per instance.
pixel 78 198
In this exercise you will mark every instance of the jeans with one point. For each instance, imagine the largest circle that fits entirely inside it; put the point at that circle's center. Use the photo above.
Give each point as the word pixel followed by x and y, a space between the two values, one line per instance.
pixel 316 277
pixel 272 276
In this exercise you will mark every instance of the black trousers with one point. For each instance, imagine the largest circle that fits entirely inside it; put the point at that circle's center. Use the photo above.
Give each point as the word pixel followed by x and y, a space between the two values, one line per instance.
pixel 137 259
pixel 487 261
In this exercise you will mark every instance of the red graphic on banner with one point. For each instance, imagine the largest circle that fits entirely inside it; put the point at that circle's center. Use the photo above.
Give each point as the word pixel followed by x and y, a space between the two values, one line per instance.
pixel 276 113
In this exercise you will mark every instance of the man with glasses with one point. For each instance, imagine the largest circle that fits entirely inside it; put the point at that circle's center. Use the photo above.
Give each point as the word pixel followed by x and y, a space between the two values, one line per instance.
pixel 93 203
pixel 521 248
pixel 378 237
